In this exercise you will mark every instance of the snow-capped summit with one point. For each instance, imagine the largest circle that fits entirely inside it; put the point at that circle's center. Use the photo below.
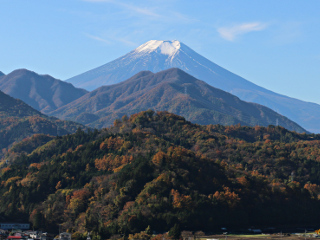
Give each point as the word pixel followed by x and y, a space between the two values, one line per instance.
pixel 159 55
pixel 169 48
pixel 154 55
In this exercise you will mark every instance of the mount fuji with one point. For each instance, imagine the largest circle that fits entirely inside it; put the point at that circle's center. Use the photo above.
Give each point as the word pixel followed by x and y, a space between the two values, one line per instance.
pixel 157 56
pixel 170 90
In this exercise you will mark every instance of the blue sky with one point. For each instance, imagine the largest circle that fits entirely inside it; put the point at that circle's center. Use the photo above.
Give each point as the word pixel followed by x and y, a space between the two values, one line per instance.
pixel 273 43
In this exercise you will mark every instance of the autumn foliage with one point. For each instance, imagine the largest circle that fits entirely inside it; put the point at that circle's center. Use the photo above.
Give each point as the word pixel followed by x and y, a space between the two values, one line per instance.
pixel 158 171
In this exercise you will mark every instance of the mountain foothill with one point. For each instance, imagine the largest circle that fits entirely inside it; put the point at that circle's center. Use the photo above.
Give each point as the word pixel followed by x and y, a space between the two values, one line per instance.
pixel 155 170
pixel 18 121
pixel 171 90
pixel 38 95
pixel 42 92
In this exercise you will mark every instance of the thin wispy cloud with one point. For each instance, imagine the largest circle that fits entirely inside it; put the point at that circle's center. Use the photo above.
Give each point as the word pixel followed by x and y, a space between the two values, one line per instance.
pixel 125 41
pixel 111 39
pixel 139 10
pixel 182 17
pixel 144 11
pixel 97 0
pixel 231 33
pixel 152 18
pixel 97 38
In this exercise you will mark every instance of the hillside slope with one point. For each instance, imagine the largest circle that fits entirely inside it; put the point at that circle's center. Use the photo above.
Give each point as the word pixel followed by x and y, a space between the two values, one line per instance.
pixel 160 170
pixel 18 121
pixel 172 90
pixel 42 92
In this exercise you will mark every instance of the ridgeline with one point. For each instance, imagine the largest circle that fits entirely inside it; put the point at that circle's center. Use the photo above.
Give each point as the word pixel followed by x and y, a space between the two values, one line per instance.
pixel 159 170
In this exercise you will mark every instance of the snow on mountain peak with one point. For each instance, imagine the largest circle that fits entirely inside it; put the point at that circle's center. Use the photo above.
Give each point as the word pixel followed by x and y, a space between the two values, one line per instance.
pixel 164 47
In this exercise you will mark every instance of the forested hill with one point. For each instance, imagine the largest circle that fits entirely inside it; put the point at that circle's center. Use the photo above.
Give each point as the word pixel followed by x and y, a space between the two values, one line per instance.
pixel 160 170
pixel 18 121
pixel 171 90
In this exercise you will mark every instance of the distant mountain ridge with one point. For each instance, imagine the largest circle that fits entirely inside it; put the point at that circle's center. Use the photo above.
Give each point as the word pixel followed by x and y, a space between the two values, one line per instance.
pixel 156 56
pixel 42 92
pixel 172 90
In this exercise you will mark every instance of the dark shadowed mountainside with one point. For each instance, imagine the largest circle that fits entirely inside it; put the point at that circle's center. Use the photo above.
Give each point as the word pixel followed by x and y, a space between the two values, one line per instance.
pixel 172 90
pixel 18 120
pixel 42 92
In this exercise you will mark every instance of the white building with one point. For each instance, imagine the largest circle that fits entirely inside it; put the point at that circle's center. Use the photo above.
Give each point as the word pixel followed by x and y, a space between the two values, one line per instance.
pixel 65 236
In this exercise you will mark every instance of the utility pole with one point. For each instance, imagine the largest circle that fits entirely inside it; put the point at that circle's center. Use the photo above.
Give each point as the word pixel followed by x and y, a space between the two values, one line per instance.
pixel 226 235
pixel 305 234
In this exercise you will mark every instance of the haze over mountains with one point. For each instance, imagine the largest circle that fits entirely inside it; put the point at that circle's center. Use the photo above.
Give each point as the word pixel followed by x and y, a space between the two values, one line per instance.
pixel 42 92
pixel 156 56
pixel 172 90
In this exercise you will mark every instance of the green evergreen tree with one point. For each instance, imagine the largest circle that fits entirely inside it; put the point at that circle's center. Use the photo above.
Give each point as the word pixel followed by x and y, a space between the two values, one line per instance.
pixel 175 232
pixel 148 230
